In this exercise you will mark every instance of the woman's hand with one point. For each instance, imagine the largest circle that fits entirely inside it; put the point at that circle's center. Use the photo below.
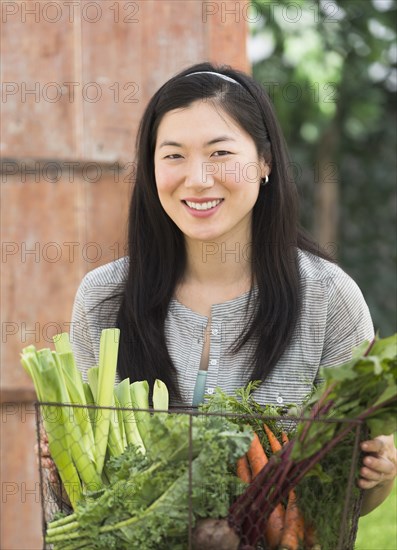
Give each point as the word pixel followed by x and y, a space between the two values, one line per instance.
pixel 378 470
pixel 50 472
pixel 44 456
pixel 380 464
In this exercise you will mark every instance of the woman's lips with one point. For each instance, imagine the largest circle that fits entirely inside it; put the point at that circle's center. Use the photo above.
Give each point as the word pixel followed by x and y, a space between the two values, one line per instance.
pixel 202 213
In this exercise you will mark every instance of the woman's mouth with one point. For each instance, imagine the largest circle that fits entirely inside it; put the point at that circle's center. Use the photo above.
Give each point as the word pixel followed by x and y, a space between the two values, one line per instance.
pixel 202 209
pixel 203 205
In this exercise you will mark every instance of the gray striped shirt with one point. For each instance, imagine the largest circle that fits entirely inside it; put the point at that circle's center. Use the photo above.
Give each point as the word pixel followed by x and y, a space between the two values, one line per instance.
pixel 334 319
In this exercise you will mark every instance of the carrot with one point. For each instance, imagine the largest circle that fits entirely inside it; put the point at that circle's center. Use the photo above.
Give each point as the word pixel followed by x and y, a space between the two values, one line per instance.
pixel 275 445
pixel 243 469
pixel 256 456
pixel 293 531
pixel 274 527
pixel 294 527
pixel 257 459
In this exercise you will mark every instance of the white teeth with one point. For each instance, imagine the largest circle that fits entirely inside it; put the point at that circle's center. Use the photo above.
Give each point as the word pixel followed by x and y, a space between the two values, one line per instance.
pixel 203 205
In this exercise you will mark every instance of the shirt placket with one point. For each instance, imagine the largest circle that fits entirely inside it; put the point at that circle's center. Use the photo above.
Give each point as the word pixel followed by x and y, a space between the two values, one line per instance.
pixel 193 363
pixel 214 354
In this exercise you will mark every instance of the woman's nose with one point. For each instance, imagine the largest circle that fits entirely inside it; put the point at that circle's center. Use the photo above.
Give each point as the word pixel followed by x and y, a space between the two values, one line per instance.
pixel 200 175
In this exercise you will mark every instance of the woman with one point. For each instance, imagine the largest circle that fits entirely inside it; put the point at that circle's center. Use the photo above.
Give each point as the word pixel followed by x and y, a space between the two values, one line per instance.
pixel 221 285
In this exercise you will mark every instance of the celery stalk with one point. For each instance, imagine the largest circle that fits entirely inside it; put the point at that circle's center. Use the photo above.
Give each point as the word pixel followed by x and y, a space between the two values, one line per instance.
pixel 89 398
pixel 108 351
pixel 119 422
pixel 47 390
pixel 96 414
pixel 140 400
pixel 74 440
pixel 74 385
pixel 122 391
pixel 93 378
pixel 160 396
pixel 114 440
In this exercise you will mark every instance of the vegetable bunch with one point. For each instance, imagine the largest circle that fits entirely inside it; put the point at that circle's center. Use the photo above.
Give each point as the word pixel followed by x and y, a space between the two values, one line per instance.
pixel 152 499
pixel 143 480
pixel 83 425
pixel 363 390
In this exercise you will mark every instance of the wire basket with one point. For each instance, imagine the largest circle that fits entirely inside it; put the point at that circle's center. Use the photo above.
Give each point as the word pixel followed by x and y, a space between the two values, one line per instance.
pixel 343 524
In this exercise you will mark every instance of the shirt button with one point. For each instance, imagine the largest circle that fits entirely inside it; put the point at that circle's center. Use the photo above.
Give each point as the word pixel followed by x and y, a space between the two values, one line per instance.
pixel 214 331
pixel 210 391
pixel 279 399
pixel 213 362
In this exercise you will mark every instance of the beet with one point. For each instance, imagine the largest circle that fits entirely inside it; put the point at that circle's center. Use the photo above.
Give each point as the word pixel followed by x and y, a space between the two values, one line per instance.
pixel 214 534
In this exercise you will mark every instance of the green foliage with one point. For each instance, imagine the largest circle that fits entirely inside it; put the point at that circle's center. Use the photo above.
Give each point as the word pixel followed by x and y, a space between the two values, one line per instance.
pixel 363 388
pixel 330 70
pixel 320 492
pixel 146 505
pixel 249 411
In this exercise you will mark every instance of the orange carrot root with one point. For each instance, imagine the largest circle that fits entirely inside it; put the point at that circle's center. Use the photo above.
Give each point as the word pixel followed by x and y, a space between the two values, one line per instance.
pixel 243 469
pixel 294 530
pixel 256 456
pixel 294 526
pixel 274 527
pixel 275 445
pixel 284 438
pixel 257 460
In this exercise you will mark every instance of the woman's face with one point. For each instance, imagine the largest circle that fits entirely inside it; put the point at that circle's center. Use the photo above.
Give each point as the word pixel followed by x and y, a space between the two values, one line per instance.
pixel 207 173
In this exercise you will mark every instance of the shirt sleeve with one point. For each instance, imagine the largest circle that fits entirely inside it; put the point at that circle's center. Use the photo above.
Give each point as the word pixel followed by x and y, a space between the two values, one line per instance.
pixel 81 342
pixel 348 322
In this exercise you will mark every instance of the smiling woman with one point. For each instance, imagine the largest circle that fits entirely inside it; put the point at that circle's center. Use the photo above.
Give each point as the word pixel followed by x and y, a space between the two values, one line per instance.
pixel 197 177
pixel 221 284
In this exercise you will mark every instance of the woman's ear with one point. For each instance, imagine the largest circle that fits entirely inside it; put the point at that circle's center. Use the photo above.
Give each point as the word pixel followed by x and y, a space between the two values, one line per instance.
pixel 266 167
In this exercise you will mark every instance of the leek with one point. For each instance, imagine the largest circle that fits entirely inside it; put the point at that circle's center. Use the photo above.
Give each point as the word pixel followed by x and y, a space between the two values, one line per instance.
pixel 117 438
pixel 123 394
pixel 160 396
pixel 140 400
pixel 108 351
pixel 81 438
pixel 74 386
pixel 46 390
pixel 89 398
pixel 114 441
pixel 70 418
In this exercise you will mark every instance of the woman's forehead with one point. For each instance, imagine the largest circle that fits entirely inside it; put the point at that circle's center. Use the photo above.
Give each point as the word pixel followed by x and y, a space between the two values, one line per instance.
pixel 208 121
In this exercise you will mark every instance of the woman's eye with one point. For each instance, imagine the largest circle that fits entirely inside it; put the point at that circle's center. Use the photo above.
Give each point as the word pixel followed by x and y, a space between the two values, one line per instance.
pixel 173 156
pixel 222 153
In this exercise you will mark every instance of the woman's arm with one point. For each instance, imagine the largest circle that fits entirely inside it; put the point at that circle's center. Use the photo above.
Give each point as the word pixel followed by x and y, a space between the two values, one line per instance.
pixel 378 471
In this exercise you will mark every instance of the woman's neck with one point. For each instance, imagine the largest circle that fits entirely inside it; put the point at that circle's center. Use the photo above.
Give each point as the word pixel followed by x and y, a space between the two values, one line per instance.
pixel 225 263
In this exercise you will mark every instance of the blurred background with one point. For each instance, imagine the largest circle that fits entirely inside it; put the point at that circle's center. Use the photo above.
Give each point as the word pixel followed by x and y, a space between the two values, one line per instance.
pixel 75 79
pixel 330 67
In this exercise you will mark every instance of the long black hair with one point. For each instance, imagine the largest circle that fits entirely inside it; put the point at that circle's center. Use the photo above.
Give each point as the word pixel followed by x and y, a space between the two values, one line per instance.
pixel 157 255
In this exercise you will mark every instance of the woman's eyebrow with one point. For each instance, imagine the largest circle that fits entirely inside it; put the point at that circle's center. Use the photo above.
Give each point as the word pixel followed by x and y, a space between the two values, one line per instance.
pixel 211 142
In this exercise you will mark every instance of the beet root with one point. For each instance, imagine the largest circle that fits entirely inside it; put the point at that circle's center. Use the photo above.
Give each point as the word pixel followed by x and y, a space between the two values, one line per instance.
pixel 214 534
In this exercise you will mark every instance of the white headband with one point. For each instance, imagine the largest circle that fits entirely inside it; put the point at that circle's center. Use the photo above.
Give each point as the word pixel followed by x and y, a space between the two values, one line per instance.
pixel 216 74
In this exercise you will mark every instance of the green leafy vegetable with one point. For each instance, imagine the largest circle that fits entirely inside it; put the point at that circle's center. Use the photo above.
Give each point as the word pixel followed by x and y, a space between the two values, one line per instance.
pixel 146 505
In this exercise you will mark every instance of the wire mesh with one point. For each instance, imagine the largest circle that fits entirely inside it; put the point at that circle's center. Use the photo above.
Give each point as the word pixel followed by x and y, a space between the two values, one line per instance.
pixel 314 492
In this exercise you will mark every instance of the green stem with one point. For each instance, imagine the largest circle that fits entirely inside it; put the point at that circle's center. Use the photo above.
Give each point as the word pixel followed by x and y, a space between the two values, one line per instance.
pixel 62 537
pixel 62 521
pixel 53 531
